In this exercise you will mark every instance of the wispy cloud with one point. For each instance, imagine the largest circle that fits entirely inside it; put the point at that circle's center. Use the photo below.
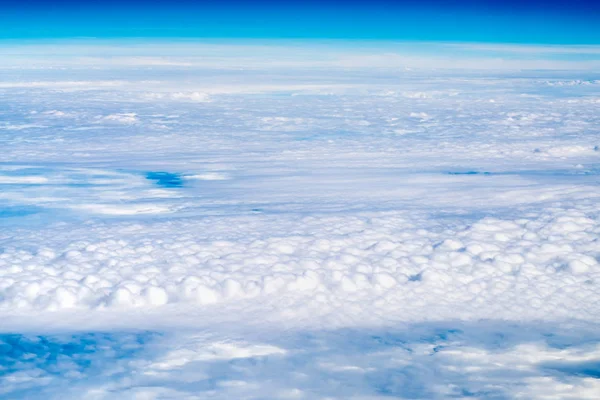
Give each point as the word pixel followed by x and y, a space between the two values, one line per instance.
pixel 300 54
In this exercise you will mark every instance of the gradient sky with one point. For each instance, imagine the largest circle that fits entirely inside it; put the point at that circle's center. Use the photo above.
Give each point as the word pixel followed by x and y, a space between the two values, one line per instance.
pixel 493 21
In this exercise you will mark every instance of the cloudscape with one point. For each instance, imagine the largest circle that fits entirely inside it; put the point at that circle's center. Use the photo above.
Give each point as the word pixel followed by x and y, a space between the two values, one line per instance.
pixel 312 200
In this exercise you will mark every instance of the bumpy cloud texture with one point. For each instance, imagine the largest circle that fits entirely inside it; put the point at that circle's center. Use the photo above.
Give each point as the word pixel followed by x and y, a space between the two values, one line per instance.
pixel 172 230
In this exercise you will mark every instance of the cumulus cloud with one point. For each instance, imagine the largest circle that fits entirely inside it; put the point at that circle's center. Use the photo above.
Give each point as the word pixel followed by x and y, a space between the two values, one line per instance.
pixel 199 97
pixel 123 118
pixel 297 214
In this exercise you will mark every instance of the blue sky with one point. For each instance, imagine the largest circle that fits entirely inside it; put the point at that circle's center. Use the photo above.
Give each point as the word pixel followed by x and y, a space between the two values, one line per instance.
pixel 495 21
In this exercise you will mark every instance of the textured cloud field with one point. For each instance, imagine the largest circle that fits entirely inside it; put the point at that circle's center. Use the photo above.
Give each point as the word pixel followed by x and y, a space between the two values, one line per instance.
pixel 243 221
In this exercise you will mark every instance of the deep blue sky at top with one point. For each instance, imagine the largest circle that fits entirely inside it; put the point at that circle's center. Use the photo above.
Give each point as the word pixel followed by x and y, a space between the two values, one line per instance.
pixel 508 21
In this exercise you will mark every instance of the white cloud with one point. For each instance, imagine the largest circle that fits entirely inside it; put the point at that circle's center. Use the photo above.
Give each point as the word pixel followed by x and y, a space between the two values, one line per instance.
pixel 282 54
pixel 298 221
